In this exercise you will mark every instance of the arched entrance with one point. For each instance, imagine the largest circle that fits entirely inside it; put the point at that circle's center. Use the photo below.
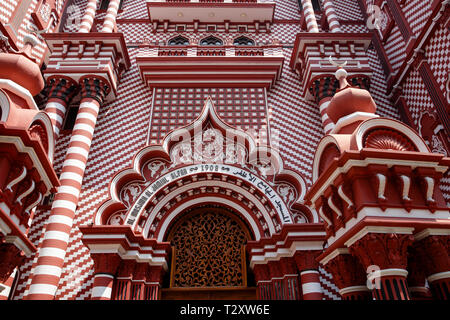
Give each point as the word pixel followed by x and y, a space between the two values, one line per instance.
pixel 208 256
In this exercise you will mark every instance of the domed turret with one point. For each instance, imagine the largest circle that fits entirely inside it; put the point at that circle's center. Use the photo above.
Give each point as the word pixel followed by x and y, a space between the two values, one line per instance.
pixel 21 68
pixel 349 100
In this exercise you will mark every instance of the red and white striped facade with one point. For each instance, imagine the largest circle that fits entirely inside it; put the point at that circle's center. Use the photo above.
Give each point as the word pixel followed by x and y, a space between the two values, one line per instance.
pixel 342 186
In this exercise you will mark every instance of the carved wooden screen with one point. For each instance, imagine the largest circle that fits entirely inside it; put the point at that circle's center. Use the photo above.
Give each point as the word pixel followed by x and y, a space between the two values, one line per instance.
pixel 208 250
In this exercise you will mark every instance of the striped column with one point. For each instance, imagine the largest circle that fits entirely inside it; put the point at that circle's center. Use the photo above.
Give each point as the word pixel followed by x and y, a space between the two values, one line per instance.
pixel 61 91
pixel 88 18
pixel 311 288
pixel 105 268
pixel 309 274
pixel 324 89
pixel 54 245
pixel 327 124
pixel 332 18
pixel 310 17
pixel 109 24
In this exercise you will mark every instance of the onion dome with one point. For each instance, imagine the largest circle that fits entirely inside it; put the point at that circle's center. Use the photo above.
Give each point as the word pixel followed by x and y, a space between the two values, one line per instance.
pixel 21 68
pixel 349 99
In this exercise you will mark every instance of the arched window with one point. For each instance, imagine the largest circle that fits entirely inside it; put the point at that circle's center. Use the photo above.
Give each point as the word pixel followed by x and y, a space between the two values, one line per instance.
pixel 243 41
pixel 178 41
pixel 211 41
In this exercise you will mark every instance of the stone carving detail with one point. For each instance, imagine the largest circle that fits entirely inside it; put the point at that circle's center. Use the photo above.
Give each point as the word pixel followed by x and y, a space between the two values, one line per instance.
pixel 386 250
pixel 208 251
pixel 346 271
pixel 117 218
pixel 130 193
pixel 388 140
pixel 287 192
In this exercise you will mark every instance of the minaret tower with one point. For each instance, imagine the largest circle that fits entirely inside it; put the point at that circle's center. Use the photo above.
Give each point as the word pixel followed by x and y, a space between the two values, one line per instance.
pixel 376 188
pixel 97 86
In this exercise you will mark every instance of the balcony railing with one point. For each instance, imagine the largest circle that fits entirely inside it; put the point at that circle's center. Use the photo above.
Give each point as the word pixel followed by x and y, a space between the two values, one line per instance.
pixel 210 51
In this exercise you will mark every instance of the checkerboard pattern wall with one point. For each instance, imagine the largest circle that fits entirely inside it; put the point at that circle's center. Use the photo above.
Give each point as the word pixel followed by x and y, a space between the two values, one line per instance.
pixel 140 116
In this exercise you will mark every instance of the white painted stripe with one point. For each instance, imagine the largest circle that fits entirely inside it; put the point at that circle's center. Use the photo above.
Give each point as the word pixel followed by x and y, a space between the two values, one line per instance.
pixel 58 218
pixel 311 287
pixel 56 105
pixel 78 150
pixel 86 127
pixel 75 163
pixel 65 204
pixel 56 235
pixel 52 252
pixel 81 138
pixel 87 115
pixel 42 289
pixel 47 269
pixel 71 176
pixel 103 292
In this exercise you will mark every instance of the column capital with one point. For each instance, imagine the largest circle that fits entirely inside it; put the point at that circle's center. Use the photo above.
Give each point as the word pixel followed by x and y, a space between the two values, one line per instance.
pixel 62 88
pixel 106 263
pixel 155 274
pixel 261 272
pixel 384 250
pixel 306 260
pixel 433 250
pixel 347 271
pixel 10 258
pixel 94 87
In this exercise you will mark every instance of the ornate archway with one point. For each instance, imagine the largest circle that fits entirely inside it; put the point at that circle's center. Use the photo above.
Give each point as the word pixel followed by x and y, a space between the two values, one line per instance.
pixel 206 163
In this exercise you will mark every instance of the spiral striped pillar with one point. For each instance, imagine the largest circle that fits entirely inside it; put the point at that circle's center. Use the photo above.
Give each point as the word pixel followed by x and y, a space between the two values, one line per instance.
pixel 61 91
pixel 109 23
pixel 332 18
pixel 310 17
pixel 52 251
pixel 88 19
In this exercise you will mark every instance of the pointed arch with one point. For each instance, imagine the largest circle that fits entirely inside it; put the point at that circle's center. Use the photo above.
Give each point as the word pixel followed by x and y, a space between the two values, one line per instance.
pixel 211 41
pixel 178 40
pixel 243 41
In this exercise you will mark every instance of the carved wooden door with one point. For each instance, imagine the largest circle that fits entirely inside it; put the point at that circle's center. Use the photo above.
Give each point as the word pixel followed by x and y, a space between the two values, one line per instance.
pixel 208 250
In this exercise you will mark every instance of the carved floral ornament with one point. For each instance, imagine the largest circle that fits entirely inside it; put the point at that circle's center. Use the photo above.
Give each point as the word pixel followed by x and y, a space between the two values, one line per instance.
pixel 206 160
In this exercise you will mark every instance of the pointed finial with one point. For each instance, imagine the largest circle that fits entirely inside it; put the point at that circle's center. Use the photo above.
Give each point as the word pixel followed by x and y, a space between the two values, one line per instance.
pixel 341 73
